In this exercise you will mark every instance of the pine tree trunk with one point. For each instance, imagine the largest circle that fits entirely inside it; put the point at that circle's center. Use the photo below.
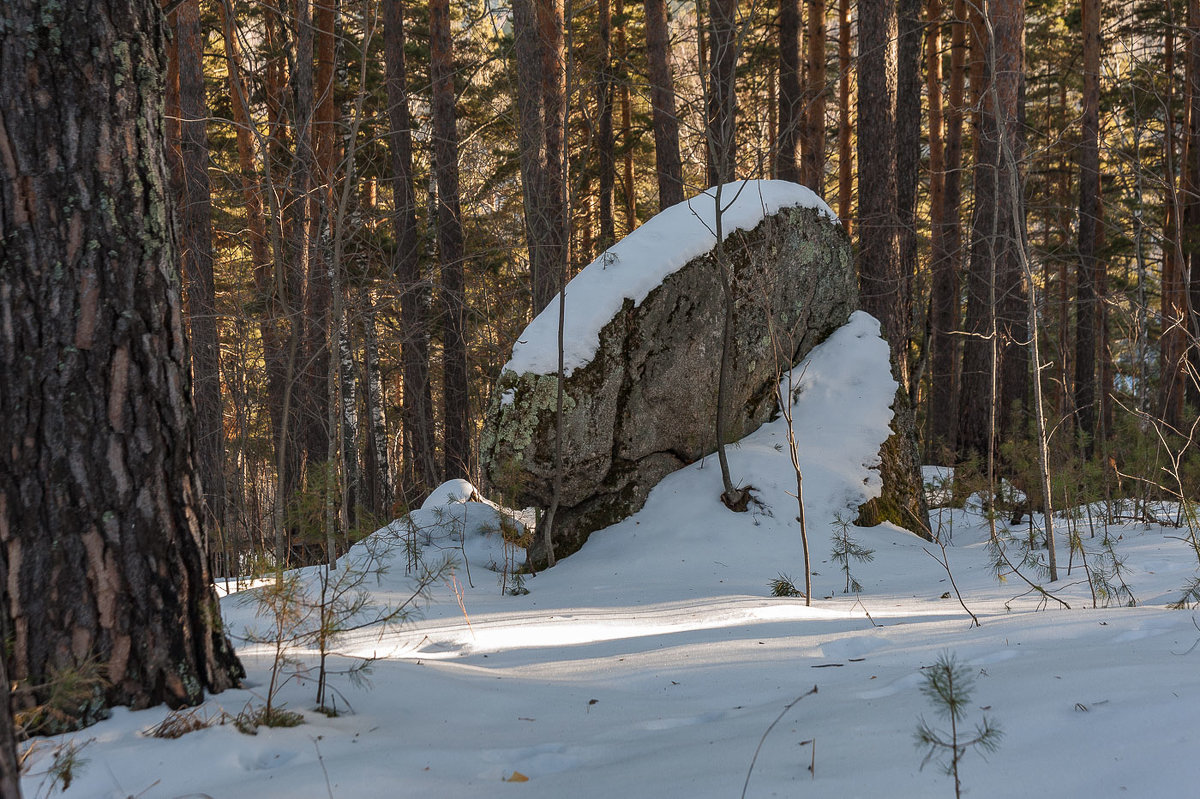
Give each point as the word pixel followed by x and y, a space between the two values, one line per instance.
pixel 195 248
pixel 314 158
pixel 1191 213
pixel 100 509
pixel 1173 340
pixel 377 479
pixel 908 141
pixel 605 152
pixel 450 245
pixel 791 99
pixel 629 191
pixel 946 237
pixel 1086 298
pixel 996 297
pixel 722 97
pixel 813 157
pixel 421 473
pixel 881 285
pixel 669 165
pixel 845 152
pixel 552 208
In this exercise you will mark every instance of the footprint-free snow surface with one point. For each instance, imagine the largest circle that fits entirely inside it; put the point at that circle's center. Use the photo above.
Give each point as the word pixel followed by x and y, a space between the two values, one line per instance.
pixel 651 663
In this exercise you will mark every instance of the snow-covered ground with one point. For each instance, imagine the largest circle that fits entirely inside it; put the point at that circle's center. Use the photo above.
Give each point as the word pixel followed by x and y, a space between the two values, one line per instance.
pixel 651 663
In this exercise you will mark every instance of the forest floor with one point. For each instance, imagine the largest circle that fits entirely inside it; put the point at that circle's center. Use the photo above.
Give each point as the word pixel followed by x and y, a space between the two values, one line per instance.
pixel 652 662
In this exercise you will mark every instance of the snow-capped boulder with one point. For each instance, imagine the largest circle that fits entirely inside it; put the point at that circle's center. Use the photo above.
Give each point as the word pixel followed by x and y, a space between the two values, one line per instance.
pixel 643 346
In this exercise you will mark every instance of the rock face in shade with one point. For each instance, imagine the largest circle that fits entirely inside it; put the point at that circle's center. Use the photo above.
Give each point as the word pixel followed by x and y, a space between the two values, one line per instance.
pixel 645 403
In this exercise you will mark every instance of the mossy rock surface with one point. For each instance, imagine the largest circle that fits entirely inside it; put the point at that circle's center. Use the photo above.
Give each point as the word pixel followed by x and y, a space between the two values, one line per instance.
pixel 646 403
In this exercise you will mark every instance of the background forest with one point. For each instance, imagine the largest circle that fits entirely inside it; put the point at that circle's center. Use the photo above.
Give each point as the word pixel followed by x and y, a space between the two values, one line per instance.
pixel 376 196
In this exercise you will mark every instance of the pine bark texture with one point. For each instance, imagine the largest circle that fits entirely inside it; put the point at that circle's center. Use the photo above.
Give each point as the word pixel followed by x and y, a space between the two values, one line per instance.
pixel 100 513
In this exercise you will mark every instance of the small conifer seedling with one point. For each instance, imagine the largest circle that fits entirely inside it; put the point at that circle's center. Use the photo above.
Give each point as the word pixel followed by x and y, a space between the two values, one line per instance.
pixel 948 685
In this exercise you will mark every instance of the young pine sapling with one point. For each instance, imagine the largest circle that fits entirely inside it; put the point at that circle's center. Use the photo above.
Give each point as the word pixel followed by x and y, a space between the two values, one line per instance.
pixel 948 684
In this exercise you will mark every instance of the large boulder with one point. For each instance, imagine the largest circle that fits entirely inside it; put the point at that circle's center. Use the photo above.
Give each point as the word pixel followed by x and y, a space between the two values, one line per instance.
pixel 643 327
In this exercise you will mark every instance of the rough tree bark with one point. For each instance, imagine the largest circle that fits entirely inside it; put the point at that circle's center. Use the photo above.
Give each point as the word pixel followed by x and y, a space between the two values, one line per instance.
pixel 100 514
pixel 457 443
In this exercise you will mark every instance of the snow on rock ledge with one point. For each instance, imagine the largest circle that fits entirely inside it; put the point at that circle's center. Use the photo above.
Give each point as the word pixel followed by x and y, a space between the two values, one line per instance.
pixel 643 347
pixel 638 264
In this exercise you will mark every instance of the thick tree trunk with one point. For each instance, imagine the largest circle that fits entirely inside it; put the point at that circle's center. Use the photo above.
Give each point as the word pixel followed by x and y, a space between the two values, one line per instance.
pixel 791 97
pixel 194 204
pixel 450 245
pixel 1086 297
pixel 421 473
pixel 100 509
pixel 722 98
pixel 669 165
pixel 813 157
